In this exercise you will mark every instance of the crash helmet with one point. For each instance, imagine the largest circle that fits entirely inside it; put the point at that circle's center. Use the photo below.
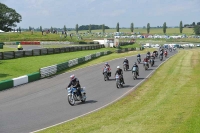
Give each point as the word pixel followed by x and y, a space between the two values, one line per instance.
pixel 72 77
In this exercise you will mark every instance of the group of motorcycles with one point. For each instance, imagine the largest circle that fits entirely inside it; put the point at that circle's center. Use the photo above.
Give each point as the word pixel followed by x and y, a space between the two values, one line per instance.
pixel 74 96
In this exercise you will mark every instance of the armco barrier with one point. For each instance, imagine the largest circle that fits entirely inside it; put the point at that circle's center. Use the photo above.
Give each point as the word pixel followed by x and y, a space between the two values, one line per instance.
pixel 20 80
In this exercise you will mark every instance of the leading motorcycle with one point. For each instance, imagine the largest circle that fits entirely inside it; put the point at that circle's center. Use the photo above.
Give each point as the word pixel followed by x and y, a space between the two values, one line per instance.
pixel 119 83
pixel 74 96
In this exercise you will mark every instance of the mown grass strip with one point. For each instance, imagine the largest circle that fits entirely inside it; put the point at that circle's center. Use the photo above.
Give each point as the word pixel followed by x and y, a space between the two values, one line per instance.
pixel 169 101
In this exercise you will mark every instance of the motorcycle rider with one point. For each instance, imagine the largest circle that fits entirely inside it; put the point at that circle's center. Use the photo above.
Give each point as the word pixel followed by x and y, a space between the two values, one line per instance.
pixel 75 84
pixel 146 60
pixel 166 52
pixel 120 73
pixel 148 55
pixel 107 66
pixel 126 61
pixel 155 53
pixel 137 70
pixel 139 57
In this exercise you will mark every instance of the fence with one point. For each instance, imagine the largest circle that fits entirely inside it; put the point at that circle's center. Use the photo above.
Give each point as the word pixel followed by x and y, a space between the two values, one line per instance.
pixel 45 51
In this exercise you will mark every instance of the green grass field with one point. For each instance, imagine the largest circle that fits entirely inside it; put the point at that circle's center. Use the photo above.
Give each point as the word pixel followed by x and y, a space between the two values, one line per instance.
pixel 37 36
pixel 159 31
pixel 168 102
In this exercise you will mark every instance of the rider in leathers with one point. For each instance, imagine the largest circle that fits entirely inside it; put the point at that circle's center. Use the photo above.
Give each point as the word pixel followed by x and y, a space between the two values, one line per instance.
pixel 120 73
pixel 135 65
pixel 108 69
pixel 75 83
pixel 126 60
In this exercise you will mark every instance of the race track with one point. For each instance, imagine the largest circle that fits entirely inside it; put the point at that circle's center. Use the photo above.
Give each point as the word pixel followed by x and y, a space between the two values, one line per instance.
pixel 44 103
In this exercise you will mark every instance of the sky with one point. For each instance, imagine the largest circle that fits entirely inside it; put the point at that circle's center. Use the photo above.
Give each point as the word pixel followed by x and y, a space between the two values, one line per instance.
pixel 57 13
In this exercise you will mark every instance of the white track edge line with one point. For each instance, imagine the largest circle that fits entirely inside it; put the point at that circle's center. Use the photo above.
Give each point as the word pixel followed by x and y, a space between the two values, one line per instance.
pixel 108 103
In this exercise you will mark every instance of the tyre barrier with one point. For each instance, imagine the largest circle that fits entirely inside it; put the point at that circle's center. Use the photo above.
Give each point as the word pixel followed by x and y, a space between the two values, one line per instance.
pixel 44 51
pixel 47 71
pixel 126 50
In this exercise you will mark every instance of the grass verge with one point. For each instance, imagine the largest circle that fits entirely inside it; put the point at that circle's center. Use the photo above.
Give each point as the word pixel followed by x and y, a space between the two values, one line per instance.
pixel 167 102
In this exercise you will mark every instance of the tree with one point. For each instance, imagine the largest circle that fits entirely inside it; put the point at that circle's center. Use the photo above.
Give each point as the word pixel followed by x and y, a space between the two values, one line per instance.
pixel 76 28
pixel 41 28
pixel 193 23
pixel 197 29
pixel 64 28
pixel 20 30
pixel 198 23
pixel 164 27
pixel 90 27
pixel 103 28
pixel 181 27
pixel 117 27
pixel 8 18
pixel 148 28
pixel 29 28
pixel 132 27
pixel 51 29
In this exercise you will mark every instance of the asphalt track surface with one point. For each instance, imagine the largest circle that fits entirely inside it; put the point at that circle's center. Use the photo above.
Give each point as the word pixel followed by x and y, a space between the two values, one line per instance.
pixel 44 103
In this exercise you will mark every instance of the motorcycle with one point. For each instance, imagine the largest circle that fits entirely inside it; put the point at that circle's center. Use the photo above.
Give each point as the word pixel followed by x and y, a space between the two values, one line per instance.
pixel 146 66
pixel 170 49
pixel 74 96
pixel 125 66
pixel 152 61
pixel 119 83
pixel 134 72
pixel 165 54
pixel 161 57
pixel 174 49
pixel 106 74
pixel 138 60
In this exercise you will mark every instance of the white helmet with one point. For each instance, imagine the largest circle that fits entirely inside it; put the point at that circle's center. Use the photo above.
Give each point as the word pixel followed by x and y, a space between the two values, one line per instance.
pixel 118 66
pixel 125 58
pixel 72 77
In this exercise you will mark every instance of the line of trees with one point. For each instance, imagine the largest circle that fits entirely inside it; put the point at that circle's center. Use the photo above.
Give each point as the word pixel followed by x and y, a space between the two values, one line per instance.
pixel 92 27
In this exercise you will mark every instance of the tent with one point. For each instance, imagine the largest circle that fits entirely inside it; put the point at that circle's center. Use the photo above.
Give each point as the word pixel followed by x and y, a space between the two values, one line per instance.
pixel 1 31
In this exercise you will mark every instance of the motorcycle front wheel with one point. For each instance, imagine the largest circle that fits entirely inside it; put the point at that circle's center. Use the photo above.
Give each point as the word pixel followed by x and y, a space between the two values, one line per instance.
pixel 71 100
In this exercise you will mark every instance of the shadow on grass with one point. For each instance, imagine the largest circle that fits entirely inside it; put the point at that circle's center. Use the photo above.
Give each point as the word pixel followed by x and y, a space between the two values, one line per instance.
pixel 4 75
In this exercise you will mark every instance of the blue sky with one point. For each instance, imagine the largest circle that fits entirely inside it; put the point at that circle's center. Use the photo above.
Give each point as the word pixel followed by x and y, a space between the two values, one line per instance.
pixel 57 13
